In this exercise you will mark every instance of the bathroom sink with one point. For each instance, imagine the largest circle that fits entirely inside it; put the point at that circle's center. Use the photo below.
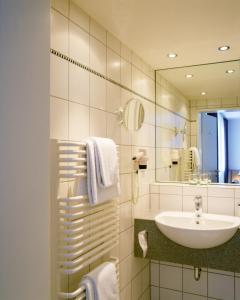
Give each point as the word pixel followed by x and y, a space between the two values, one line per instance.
pixel 209 231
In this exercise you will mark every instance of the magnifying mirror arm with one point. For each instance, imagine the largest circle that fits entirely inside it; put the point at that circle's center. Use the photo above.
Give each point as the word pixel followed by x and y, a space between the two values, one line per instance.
pixel 119 112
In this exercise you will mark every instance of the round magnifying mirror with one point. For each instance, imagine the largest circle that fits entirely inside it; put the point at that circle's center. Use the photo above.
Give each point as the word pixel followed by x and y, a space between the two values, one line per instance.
pixel 133 114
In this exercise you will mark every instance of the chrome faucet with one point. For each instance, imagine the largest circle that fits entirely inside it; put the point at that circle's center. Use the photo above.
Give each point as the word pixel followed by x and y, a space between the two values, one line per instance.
pixel 198 208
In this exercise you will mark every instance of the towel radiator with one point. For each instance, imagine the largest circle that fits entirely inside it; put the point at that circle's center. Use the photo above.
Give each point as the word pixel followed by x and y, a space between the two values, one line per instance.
pixel 187 164
pixel 85 233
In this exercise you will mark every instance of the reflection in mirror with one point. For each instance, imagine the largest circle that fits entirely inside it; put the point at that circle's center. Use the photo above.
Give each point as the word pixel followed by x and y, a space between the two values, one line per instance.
pixel 133 115
pixel 188 101
pixel 219 144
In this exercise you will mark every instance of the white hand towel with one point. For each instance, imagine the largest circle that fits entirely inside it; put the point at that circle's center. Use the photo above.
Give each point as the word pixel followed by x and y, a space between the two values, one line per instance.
pixel 101 283
pixel 96 193
pixel 195 158
pixel 106 160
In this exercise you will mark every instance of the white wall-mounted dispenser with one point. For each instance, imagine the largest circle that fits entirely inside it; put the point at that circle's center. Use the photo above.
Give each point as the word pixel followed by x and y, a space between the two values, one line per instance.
pixel 175 157
pixel 140 160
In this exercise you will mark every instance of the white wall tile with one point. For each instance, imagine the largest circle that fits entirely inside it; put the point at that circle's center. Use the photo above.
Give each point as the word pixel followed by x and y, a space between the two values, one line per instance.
pixel 125 159
pixel 59 32
pixel 193 297
pixel 171 189
pixel 154 188
pixel 155 272
pixel 220 286
pixel 170 202
pixel 126 136
pixel 190 285
pixel 220 191
pixel 125 293
pixel 126 243
pixel 125 271
pixel 78 16
pixel 155 293
pixel 125 215
pixel 98 56
pixel 98 92
pixel 126 192
pixel 78 121
pixel 237 192
pixel 78 44
pixel 98 31
pixel 61 5
pixel 113 128
pixel 136 287
pixel 113 97
pixel 113 43
pixel 171 277
pixel 170 295
pixel 113 65
pixel 154 202
pixel 195 190
pixel 78 85
pixel 237 288
pixel 98 122
pixel 126 53
pixel 218 205
pixel 126 73
pixel 58 118
pixel 58 77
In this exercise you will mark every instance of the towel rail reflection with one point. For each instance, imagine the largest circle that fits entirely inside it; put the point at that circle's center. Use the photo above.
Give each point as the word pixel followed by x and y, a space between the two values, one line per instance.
pixel 85 233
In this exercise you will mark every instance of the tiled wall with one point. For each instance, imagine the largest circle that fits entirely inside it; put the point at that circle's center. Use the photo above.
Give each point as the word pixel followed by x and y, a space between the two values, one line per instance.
pixel 172 110
pixel 83 104
pixel 175 282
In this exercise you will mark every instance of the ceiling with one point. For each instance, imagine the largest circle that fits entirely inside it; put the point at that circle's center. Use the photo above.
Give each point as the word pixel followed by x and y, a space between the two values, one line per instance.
pixel 211 78
pixel 193 29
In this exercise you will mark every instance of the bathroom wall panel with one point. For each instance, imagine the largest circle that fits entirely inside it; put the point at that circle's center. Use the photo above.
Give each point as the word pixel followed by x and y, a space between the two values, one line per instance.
pixel 84 104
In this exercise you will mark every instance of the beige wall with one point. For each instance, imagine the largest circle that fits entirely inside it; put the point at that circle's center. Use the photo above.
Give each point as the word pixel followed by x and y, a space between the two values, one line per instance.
pixel 83 104
pixel 24 131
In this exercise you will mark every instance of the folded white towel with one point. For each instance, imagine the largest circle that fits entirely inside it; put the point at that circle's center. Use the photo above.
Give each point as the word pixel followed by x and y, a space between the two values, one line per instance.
pixel 195 158
pixel 97 191
pixel 106 160
pixel 101 283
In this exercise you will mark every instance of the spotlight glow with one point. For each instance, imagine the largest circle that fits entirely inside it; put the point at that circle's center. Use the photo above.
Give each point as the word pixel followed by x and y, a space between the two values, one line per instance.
pixel 224 48
pixel 172 55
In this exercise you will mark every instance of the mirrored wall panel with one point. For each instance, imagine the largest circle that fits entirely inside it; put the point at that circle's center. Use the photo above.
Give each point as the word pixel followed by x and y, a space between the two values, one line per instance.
pixel 198 124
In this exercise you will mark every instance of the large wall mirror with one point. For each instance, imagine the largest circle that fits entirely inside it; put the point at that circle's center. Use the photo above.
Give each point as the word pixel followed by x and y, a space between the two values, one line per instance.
pixel 198 123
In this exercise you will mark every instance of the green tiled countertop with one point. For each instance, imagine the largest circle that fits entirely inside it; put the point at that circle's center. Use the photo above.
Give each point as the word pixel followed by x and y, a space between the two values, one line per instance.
pixel 225 257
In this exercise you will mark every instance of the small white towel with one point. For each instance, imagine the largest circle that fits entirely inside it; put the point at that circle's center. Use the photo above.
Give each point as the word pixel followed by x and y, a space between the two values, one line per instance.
pixel 106 160
pixel 99 189
pixel 195 158
pixel 101 283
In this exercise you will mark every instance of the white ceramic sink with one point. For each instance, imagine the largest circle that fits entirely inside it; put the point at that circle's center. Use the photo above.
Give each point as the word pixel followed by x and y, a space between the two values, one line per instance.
pixel 182 228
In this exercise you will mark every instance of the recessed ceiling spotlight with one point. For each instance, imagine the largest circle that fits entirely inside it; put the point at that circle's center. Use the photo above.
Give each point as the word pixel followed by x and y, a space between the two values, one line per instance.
pixel 203 93
pixel 189 76
pixel 172 55
pixel 230 71
pixel 224 48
